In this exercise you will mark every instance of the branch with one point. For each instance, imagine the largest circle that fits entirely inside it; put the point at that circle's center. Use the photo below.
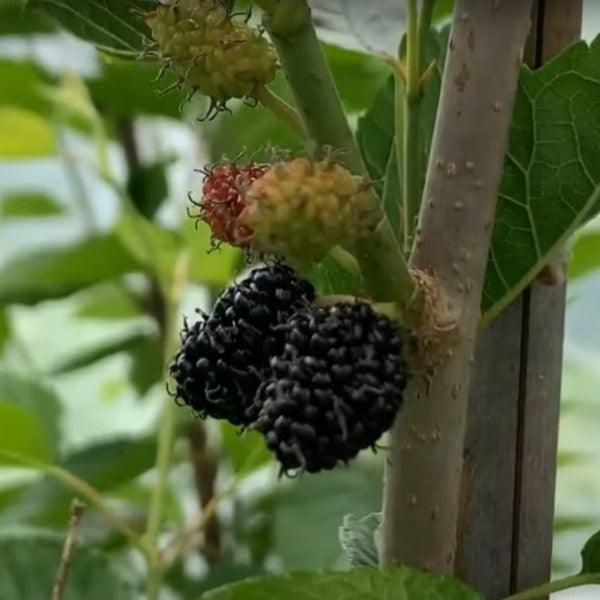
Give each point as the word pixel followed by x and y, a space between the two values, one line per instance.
pixel 423 475
pixel 382 263
pixel 77 512
pixel 279 107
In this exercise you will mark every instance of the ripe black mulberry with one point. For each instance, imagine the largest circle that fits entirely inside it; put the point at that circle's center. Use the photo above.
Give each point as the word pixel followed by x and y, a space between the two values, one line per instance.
pixel 334 390
pixel 223 357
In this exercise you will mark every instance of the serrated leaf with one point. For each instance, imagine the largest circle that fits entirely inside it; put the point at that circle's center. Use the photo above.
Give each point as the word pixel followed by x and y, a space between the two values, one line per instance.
pixel 30 560
pixel 364 583
pixel 56 272
pixel 115 26
pixel 38 399
pixel 366 26
pixel 590 555
pixel 29 204
pixel 358 538
pixel 551 181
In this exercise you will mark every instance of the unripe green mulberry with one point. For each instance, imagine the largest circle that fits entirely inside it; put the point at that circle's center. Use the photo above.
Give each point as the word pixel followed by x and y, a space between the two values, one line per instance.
pixel 303 209
pixel 211 53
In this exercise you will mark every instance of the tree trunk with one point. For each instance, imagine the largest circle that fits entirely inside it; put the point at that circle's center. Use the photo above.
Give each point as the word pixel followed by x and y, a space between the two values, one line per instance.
pixel 423 475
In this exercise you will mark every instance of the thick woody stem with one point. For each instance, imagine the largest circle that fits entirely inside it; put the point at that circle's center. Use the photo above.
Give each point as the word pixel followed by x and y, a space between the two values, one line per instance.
pixel 423 474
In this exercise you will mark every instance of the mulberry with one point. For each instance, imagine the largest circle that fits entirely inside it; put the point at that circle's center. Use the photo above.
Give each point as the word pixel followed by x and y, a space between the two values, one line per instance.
pixel 211 53
pixel 334 390
pixel 303 209
pixel 223 357
pixel 223 192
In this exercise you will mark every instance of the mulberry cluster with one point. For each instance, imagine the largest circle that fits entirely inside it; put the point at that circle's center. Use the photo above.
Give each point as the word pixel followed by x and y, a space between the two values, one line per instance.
pixel 303 208
pixel 320 383
pixel 210 52
pixel 223 358
pixel 335 388
pixel 223 192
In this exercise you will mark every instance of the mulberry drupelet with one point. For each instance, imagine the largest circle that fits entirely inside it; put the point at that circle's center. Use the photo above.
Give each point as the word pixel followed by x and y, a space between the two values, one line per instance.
pixel 223 357
pixel 334 390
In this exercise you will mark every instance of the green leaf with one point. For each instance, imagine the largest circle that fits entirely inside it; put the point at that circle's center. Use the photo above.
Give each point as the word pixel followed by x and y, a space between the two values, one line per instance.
pixel 336 274
pixel 57 272
pixel 376 131
pixel 105 466
pixel 125 89
pixel 310 510
pixel 148 186
pixel 348 67
pixel 551 181
pixel 30 560
pixel 36 398
pixel 22 84
pixel 153 246
pixel 24 134
pixel 214 267
pixel 364 583
pixel 585 257
pixel 590 555
pixel 366 26
pixel 247 451
pixel 358 538
pixel 4 329
pixel 22 433
pixel 29 204
pixel 108 301
pixel 115 26
pixel 15 20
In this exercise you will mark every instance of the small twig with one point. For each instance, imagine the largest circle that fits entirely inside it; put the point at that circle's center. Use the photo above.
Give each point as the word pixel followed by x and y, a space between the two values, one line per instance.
pixel 77 512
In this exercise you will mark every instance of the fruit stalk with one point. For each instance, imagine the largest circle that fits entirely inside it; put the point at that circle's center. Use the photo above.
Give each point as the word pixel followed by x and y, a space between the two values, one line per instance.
pixel 421 512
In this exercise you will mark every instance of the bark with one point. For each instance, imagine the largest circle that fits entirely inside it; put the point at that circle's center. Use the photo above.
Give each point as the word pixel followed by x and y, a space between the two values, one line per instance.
pixel 423 475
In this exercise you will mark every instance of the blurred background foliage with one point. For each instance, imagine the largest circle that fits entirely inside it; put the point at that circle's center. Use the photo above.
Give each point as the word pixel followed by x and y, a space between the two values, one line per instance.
pixel 95 168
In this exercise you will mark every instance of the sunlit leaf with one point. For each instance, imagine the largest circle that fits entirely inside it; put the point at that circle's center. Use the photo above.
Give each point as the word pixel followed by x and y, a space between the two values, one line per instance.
pixel 24 134
pixel 29 204
pixel 22 433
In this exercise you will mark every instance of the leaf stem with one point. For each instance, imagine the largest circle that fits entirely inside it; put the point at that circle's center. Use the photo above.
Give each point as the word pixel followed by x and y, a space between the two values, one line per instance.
pixel 280 108
pixel 166 433
pixel 542 591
